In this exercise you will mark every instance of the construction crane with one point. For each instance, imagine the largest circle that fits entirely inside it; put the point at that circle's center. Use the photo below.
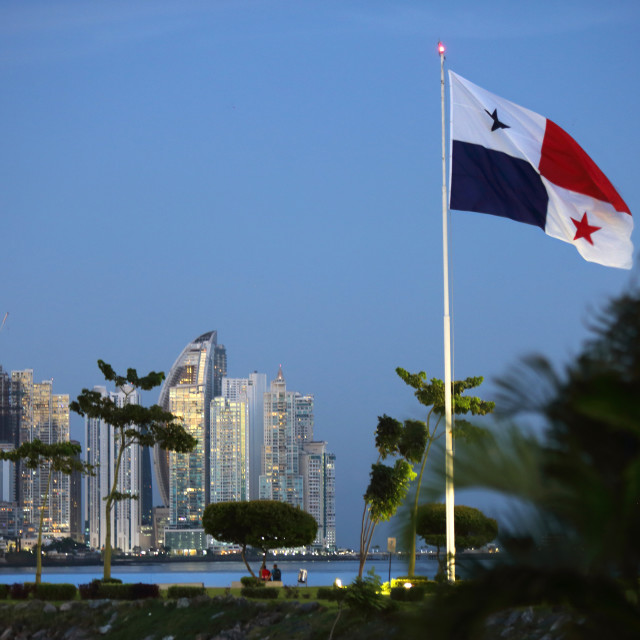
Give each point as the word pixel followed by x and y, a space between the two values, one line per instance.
pixel 4 320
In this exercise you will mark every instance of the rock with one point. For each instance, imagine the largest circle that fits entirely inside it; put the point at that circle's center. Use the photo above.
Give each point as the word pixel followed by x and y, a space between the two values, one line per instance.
pixel 96 604
pixel 49 608
pixel 182 603
pixel 75 633
pixel 105 629
pixel 269 619
pixel 527 616
pixel 308 607
pixel 66 606
pixel 7 634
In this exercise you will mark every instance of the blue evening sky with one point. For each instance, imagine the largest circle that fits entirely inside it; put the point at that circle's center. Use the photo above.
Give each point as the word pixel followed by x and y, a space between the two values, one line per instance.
pixel 271 169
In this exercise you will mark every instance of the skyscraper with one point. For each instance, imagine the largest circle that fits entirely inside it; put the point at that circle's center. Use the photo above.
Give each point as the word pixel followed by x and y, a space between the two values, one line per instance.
pixel 9 410
pixel 102 450
pixel 184 478
pixel 43 416
pixel 9 435
pixel 288 419
pixel 229 449
pixel 253 388
pixel 75 503
pixel 318 468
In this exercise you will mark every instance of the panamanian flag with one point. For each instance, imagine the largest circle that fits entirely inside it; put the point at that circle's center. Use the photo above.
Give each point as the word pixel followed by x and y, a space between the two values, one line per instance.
pixel 511 162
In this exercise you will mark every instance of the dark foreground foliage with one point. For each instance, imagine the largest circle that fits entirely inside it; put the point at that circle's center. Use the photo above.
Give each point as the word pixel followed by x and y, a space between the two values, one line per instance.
pixel 578 545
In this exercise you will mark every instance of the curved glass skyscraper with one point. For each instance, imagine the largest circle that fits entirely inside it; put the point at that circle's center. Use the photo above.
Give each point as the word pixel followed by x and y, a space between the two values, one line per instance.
pixel 194 378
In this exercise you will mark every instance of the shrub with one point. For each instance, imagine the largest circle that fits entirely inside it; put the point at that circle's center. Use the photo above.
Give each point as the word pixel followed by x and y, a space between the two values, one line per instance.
pixel 142 590
pixel 363 595
pixel 407 595
pixel 331 593
pixel 21 591
pixel 250 581
pixel 176 591
pixel 89 591
pixel 4 591
pixel 114 591
pixel 51 591
pixel 260 592
pixel 291 592
pixel 415 581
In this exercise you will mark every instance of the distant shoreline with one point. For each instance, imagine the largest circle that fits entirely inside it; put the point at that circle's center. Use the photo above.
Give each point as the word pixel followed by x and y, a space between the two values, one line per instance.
pixel 79 561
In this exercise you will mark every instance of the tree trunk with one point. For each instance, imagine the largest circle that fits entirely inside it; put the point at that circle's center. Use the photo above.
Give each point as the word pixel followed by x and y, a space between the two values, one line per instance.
pixel 244 558
pixel 108 509
pixel 366 535
pixel 414 513
pixel 106 558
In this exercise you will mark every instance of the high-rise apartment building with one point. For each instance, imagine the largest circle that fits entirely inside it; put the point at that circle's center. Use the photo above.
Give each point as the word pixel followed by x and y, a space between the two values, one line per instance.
pixel 253 388
pixel 76 528
pixel 43 416
pixel 318 468
pixel 287 414
pixel 102 450
pixel 9 410
pixel 184 478
pixel 229 464
pixel 146 489
pixel 9 435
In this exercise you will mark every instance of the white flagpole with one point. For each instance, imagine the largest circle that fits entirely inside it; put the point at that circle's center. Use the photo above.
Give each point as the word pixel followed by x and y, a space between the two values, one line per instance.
pixel 449 499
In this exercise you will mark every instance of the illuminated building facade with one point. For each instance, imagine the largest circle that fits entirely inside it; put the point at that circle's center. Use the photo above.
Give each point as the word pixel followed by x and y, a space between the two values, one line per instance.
pixel 318 468
pixel 43 416
pixel 285 413
pixel 253 389
pixel 184 478
pixel 229 462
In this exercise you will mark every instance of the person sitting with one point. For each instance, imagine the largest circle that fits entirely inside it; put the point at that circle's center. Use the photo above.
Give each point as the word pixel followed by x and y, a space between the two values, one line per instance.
pixel 276 576
pixel 265 574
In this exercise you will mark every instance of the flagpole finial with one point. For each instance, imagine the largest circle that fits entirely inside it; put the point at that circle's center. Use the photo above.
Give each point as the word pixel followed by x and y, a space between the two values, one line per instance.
pixel 441 48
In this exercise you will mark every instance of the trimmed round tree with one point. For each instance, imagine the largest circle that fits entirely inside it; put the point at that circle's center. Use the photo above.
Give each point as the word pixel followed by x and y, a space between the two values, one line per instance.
pixel 472 527
pixel 261 524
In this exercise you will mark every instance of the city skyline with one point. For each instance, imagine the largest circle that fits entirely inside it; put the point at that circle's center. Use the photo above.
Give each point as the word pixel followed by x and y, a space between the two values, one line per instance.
pixel 273 170
pixel 294 467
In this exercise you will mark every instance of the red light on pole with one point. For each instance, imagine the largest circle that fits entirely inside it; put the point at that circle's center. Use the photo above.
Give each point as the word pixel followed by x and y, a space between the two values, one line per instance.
pixel 440 48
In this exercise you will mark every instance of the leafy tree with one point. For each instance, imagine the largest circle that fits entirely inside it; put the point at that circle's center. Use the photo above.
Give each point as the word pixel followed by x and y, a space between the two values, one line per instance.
pixel 431 394
pixel 60 457
pixel 472 527
pixel 261 524
pixel 132 424
pixel 389 485
pixel 64 545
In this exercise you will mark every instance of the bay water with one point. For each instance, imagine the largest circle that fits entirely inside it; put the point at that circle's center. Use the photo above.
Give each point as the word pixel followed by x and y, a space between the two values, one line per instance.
pixel 219 574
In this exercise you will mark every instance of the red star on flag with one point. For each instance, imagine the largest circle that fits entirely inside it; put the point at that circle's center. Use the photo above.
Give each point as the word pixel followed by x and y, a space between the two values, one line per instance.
pixel 584 229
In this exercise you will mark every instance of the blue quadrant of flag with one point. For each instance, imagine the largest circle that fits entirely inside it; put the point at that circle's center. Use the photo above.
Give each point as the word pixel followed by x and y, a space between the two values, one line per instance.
pixel 489 181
